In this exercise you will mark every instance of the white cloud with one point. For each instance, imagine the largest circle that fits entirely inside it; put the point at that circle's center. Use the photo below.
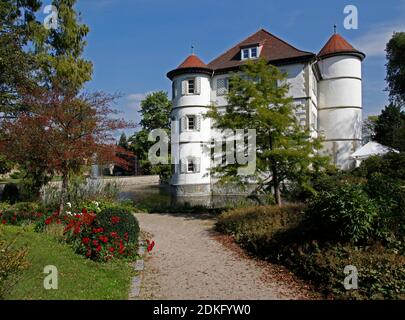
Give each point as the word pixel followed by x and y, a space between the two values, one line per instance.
pixel 374 41
pixel 136 98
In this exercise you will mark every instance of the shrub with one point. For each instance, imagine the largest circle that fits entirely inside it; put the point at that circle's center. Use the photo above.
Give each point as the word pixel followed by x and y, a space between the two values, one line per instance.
pixel 12 262
pixel 252 227
pixel 80 192
pixel 392 165
pixel 119 219
pixel 381 273
pixel 343 214
pixel 111 233
pixel 11 193
pixel 282 235
pixel 20 213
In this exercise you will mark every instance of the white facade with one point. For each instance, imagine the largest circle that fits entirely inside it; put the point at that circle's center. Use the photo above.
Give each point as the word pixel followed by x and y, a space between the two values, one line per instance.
pixel 327 90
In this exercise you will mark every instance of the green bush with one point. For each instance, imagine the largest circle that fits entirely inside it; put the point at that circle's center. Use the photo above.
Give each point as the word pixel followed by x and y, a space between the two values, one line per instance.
pixel 282 235
pixel 20 213
pixel 119 219
pixel 253 227
pixel 344 214
pixel 392 165
pixel 10 193
pixel 381 272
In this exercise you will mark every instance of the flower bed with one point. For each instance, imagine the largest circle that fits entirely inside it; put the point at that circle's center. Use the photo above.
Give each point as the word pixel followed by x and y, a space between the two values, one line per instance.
pixel 112 232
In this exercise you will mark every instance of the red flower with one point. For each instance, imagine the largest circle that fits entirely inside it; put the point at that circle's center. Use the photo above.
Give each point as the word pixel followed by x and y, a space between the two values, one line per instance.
pixel 48 220
pixel 114 234
pixel 150 245
pixel 86 240
pixel 3 221
pixel 112 249
pixel 95 242
pixel 98 249
pixel 115 220
pixel 122 248
pixel 76 229
pixel 103 239
pixel 126 236
pixel 84 210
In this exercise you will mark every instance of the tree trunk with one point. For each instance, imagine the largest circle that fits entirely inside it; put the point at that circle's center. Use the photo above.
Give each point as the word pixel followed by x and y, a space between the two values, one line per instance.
pixel 276 182
pixel 64 189
pixel 276 186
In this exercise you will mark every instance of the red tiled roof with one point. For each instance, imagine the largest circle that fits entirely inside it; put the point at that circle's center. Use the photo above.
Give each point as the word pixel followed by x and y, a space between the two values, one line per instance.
pixel 191 64
pixel 192 61
pixel 273 49
pixel 337 44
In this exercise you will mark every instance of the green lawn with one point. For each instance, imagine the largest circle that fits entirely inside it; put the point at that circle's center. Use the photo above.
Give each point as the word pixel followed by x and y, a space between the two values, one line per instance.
pixel 79 278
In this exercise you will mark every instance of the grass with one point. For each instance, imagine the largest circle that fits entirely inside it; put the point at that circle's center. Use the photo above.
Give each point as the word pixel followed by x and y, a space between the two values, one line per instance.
pixel 79 278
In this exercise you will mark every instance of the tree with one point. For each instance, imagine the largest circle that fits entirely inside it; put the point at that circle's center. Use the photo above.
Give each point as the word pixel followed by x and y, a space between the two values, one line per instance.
pixel 368 128
pixel 390 127
pixel 123 142
pixel 60 133
pixel 59 53
pixel 396 68
pixel 155 112
pixel 17 30
pixel 258 100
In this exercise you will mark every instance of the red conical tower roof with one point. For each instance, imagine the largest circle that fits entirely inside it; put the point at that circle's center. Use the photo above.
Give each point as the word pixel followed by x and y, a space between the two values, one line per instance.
pixel 192 64
pixel 338 45
pixel 192 61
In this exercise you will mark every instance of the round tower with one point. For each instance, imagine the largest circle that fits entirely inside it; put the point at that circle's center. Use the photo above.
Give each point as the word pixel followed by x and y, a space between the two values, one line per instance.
pixel 191 97
pixel 340 100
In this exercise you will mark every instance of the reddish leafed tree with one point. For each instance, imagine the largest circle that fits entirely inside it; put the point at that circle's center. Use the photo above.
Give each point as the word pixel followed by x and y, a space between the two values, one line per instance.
pixel 61 132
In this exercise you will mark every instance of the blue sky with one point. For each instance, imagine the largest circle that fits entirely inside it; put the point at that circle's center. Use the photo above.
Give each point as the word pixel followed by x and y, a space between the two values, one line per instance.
pixel 133 43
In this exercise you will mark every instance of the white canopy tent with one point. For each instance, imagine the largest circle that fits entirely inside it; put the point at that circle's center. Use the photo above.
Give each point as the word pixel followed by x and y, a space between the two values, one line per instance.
pixel 370 149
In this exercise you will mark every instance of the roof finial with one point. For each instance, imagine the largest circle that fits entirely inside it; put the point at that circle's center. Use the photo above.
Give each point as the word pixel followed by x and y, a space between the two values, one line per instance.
pixel 192 49
pixel 334 29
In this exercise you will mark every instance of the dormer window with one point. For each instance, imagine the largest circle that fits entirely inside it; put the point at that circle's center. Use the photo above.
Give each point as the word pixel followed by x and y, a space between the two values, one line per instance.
pixel 253 52
pixel 245 54
pixel 250 53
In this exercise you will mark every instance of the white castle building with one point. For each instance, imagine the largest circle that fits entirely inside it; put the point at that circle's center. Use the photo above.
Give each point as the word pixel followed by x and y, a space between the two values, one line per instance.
pixel 326 87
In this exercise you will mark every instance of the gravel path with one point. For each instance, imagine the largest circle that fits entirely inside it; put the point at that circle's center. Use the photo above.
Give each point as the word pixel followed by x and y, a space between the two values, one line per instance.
pixel 191 261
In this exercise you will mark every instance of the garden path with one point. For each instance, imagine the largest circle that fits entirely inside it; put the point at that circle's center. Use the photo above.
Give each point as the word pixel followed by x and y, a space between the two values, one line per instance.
pixel 191 261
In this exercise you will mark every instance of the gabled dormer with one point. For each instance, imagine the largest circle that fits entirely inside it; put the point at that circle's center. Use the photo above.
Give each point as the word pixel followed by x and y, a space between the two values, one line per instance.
pixel 250 52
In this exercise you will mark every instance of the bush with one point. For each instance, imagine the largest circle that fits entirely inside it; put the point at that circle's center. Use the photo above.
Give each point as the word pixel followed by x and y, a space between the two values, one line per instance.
pixel 21 213
pixel 11 193
pixel 381 273
pixel 111 233
pixel 282 235
pixel 12 262
pixel 253 227
pixel 391 165
pixel 119 219
pixel 344 214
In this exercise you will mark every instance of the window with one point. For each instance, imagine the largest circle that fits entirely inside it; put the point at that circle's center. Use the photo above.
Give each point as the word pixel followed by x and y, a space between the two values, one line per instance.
pixel 253 53
pixel 245 54
pixel 190 86
pixel 174 90
pixel 250 53
pixel 190 166
pixel 222 86
pixel 191 122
